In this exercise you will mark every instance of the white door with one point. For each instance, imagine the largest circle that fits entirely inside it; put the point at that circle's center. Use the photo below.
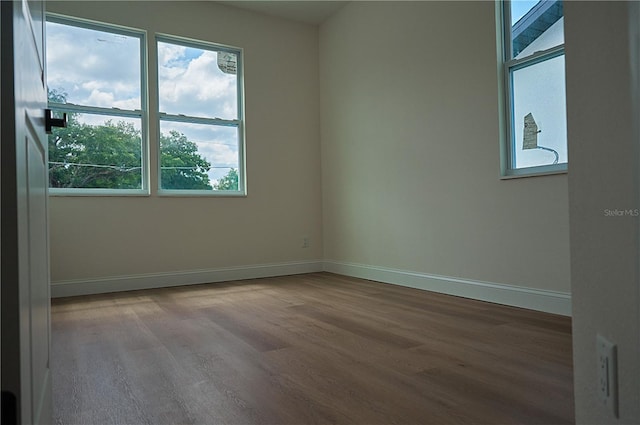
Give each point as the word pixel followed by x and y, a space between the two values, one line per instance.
pixel 24 250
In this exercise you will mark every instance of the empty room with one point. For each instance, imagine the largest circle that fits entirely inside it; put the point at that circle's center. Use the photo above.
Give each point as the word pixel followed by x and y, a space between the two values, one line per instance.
pixel 313 212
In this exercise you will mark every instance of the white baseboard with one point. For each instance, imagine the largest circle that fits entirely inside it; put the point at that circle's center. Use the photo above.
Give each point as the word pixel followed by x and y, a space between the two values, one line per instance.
pixel 68 288
pixel 534 299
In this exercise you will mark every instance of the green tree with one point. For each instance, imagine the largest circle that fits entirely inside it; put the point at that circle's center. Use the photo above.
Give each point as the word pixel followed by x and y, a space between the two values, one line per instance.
pixel 95 156
pixel 228 182
pixel 181 165
pixel 109 156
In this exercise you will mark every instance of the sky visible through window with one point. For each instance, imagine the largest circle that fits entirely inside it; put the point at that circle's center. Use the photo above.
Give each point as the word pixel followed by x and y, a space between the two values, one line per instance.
pixel 101 69
pixel 537 89
pixel 94 68
pixel 519 8
pixel 191 83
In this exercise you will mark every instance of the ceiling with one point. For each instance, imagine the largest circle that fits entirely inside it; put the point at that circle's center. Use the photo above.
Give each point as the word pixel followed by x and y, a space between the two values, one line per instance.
pixel 306 11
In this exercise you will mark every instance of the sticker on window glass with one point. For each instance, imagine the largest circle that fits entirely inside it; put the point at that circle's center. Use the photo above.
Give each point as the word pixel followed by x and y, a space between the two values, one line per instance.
pixel 227 62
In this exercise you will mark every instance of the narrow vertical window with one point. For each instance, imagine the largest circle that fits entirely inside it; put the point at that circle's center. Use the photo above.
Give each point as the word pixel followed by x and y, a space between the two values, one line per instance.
pixel 534 80
pixel 201 149
pixel 95 76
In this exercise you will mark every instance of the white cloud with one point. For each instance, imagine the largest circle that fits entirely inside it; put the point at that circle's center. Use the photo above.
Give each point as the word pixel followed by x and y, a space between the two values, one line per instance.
pixel 169 52
pixel 99 98
pixel 191 83
pixel 87 60
pixel 100 69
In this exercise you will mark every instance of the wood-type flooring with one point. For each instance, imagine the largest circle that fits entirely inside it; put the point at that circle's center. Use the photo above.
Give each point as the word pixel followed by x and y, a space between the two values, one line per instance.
pixel 308 349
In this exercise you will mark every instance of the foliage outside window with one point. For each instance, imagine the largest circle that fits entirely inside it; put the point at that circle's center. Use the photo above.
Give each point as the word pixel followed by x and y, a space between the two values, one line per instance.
pixel 534 80
pixel 200 112
pixel 96 74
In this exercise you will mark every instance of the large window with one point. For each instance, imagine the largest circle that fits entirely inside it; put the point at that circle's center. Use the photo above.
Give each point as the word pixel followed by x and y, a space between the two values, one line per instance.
pixel 95 75
pixel 534 81
pixel 200 111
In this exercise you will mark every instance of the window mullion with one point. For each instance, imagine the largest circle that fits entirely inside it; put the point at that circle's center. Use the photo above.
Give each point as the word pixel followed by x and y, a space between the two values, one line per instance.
pixel 536 57
pixel 511 139
pixel 81 109
pixel 506 31
pixel 198 120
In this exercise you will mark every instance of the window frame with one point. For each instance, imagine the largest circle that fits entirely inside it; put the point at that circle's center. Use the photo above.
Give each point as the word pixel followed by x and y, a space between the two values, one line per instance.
pixel 238 123
pixel 142 113
pixel 507 65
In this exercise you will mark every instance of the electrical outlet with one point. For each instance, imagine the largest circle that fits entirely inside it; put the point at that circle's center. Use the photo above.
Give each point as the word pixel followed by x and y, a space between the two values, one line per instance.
pixel 607 374
pixel 305 242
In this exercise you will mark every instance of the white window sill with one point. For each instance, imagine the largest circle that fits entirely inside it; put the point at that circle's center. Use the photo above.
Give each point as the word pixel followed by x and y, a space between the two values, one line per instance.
pixel 98 192
pixel 535 172
pixel 202 193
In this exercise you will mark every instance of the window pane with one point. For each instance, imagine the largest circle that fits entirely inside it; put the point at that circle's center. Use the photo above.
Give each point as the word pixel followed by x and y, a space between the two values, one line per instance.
pixel 197 82
pixel 96 151
pixel 198 156
pixel 536 26
pixel 539 90
pixel 93 68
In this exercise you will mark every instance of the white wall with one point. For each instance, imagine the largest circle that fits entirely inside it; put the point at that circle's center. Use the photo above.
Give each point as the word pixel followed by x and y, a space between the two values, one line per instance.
pixel 410 151
pixel 98 238
pixel 604 175
pixel 410 165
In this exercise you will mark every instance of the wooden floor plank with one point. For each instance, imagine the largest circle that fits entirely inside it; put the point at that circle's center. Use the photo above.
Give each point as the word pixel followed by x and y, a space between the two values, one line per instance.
pixel 307 349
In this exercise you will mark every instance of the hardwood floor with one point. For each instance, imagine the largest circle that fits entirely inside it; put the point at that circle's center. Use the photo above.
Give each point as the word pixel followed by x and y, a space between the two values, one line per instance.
pixel 308 349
